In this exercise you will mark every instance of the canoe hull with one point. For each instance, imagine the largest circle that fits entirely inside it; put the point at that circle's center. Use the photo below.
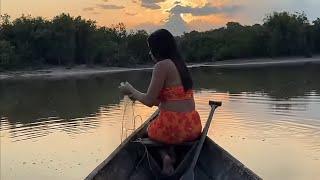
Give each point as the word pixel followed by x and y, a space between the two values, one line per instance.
pixel 126 162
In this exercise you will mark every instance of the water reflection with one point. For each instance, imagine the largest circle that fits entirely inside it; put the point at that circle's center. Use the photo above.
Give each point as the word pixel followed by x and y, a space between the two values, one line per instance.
pixel 66 98
pixel 79 119
pixel 277 83
pixel 67 104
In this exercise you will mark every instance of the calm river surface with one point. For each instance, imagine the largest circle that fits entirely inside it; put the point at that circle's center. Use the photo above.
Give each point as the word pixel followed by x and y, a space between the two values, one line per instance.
pixel 63 128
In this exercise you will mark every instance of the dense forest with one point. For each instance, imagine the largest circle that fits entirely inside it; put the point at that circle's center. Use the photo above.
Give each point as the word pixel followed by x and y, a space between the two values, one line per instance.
pixel 65 40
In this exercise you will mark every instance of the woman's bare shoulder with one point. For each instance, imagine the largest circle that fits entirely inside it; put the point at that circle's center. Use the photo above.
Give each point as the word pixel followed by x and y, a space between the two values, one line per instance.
pixel 167 63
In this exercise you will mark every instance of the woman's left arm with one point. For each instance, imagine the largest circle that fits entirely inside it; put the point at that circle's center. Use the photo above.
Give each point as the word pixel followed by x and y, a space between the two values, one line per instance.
pixel 157 81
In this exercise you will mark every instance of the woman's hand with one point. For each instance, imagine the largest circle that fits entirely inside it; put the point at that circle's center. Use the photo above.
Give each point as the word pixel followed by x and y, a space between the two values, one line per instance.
pixel 126 88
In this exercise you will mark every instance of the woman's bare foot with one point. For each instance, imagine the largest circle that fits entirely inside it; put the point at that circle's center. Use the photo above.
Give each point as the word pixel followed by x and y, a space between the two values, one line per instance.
pixel 167 168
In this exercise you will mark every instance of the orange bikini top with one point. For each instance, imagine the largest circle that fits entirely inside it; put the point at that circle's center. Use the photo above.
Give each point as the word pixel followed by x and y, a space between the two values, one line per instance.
pixel 175 93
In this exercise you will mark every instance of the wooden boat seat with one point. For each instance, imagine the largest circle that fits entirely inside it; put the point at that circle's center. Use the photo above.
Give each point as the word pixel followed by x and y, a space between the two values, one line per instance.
pixel 150 142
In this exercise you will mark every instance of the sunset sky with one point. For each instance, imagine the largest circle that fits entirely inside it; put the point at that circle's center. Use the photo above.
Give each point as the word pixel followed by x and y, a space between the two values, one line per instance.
pixel 176 15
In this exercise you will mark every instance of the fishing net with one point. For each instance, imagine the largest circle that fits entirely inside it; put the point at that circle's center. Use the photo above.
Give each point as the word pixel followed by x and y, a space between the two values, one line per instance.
pixel 129 118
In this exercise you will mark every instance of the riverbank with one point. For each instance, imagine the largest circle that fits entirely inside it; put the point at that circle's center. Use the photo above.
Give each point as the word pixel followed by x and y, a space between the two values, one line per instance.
pixel 82 70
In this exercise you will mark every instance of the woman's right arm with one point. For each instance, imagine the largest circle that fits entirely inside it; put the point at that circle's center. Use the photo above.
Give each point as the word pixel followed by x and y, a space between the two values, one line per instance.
pixel 157 81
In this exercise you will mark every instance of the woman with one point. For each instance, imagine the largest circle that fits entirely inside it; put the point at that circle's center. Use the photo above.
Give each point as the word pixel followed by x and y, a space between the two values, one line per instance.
pixel 171 90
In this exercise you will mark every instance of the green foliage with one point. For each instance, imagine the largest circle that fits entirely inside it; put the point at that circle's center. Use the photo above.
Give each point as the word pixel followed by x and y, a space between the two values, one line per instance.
pixel 7 56
pixel 287 34
pixel 233 41
pixel 65 40
pixel 315 30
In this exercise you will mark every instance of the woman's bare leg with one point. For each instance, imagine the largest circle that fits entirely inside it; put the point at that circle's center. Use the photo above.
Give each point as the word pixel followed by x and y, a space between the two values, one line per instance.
pixel 167 162
pixel 172 154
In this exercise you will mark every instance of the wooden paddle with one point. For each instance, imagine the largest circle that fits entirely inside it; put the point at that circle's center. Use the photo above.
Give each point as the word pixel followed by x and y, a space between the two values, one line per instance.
pixel 189 174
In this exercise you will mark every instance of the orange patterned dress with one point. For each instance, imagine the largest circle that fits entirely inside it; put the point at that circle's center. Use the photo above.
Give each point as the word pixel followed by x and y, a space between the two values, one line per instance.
pixel 175 127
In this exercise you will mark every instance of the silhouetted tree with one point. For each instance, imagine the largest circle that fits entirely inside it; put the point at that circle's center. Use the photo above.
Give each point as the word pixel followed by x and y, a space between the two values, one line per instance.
pixel 65 40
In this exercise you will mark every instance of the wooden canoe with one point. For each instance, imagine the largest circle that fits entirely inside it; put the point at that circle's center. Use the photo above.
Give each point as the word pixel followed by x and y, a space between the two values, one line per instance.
pixel 125 162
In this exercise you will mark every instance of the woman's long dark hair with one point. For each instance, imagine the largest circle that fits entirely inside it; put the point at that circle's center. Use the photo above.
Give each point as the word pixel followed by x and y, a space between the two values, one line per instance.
pixel 163 46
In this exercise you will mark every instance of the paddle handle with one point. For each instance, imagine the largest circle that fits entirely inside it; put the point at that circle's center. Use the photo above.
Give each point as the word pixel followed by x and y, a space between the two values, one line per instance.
pixel 214 105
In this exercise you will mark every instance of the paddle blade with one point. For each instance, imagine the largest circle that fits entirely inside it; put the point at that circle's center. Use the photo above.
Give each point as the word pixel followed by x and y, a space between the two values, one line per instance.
pixel 189 175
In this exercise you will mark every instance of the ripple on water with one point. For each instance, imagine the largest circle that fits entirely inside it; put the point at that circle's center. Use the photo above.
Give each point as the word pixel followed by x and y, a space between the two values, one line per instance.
pixel 44 127
pixel 248 114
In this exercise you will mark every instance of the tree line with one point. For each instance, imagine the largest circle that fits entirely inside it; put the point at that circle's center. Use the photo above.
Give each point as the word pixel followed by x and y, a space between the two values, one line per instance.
pixel 66 40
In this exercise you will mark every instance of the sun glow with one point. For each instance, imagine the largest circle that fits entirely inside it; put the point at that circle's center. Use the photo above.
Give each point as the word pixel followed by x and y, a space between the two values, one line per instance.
pixel 167 5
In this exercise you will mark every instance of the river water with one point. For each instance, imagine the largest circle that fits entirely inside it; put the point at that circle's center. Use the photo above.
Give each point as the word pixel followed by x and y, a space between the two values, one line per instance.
pixel 63 128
